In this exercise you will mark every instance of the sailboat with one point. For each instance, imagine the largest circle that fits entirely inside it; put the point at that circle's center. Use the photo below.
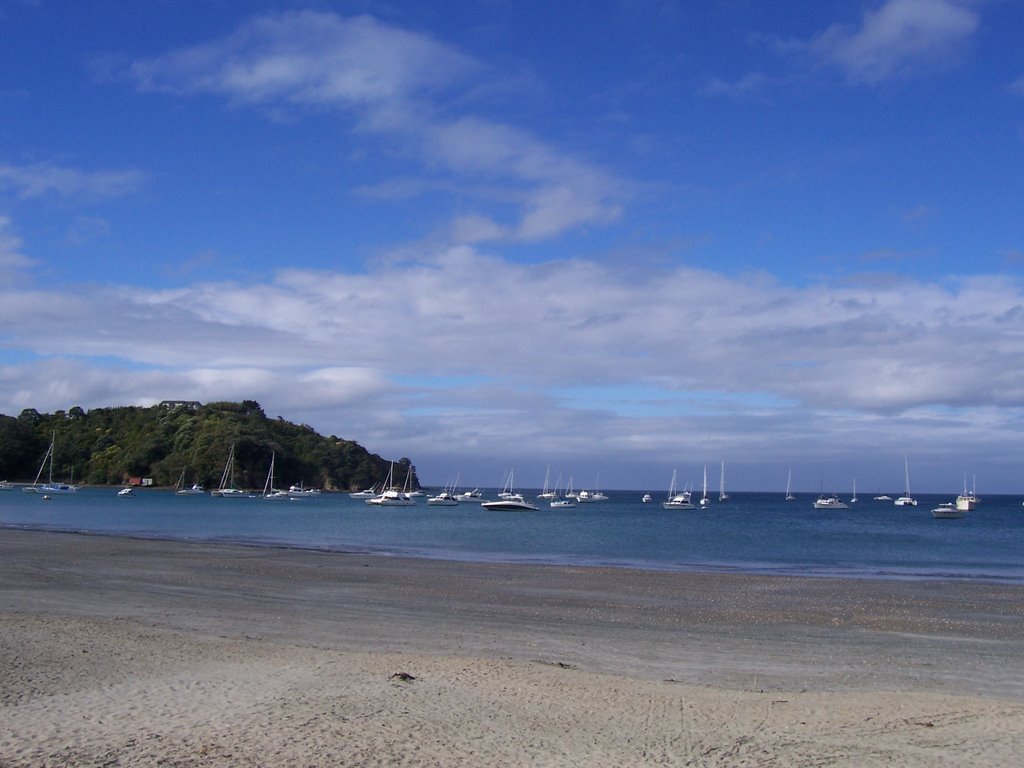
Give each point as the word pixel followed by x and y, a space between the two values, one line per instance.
pixel 506 486
pixel 789 486
pixel 194 490
pixel 557 502
pixel 677 500
pixel 906 500
pixel 226 488
pixel 704 501
pixel 390 496
pixel 597 495
pixel 269 491
pixel 853 499
pixel 49 487
pixel 722 495
pixel 547 493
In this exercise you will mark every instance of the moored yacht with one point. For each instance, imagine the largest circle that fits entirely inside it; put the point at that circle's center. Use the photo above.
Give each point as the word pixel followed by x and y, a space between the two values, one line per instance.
pixel 967 500
pixel 509 502
pixel 677 500
pixel 906 500
pixel 829 502
pixel 947 511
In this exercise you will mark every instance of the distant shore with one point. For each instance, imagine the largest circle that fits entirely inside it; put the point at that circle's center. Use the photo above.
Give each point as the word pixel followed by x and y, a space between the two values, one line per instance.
pixel 243 655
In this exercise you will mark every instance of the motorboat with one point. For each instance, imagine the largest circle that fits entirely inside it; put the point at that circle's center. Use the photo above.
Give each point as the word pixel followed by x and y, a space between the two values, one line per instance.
pixel 677 500
pixel 392 497
pixel 646 498
pixel 589 497
pixel 126 492
pixel 443 499
pixel 967 500
pixel 474 495
pixel 511 503
pixel 300 492
pixel 369 493
pixel 947 511
pixel 829 502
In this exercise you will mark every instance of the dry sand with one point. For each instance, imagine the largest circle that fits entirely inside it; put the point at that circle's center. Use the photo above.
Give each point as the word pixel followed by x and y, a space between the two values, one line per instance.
pixel 126 652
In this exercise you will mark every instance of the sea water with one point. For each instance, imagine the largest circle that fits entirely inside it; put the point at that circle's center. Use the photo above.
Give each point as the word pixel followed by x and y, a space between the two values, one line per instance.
pixel 749 533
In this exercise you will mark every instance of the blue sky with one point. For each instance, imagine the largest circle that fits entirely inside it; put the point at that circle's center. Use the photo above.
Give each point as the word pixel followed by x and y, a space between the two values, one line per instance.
pixel 615 238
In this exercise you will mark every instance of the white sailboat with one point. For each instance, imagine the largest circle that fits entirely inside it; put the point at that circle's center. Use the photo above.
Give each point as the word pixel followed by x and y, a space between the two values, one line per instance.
pixel 270 493
pixel 547 493
pixel 853 499
pixel 49 487
pixel 704 500
pixel 597 495
pixel 558 502
pixel 789 487
pixel 506 486
pixel 391 496
pixel 722 495
pixel 181 490
pixel 226 488
pixel 906 500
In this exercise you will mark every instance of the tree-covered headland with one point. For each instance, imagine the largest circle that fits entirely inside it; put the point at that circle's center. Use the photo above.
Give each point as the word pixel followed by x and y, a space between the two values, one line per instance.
pixel 109 446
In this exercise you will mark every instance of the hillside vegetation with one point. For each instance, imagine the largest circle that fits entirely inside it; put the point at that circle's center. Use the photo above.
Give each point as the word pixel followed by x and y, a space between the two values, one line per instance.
pixel 108 446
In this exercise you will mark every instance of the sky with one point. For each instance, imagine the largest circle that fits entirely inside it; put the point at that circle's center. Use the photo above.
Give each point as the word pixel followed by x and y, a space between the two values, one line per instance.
pixel 616 238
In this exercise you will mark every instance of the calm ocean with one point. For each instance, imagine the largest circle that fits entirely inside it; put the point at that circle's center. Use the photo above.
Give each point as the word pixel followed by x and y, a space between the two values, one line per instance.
pixel 750 533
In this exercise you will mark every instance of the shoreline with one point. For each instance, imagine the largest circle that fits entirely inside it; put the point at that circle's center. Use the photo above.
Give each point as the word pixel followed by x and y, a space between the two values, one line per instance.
pixel 775 571
pixel 94 622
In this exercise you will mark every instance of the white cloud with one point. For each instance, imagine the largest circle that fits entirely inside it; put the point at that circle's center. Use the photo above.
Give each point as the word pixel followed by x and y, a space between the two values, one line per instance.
pixel 750 85
pixel 11 256
pixel 39 179
pixel 308 57
pixel 394 82
pixel 475 228
pixel 899 38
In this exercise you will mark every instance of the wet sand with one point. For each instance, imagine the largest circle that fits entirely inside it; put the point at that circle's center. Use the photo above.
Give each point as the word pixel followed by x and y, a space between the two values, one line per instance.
pixel 117 651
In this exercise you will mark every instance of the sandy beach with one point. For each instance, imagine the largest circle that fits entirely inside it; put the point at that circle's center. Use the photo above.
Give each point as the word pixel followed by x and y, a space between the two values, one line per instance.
pixel 116 651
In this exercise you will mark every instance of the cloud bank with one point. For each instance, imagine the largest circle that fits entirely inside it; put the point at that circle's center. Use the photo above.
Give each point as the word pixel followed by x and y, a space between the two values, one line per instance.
pixel 453 357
